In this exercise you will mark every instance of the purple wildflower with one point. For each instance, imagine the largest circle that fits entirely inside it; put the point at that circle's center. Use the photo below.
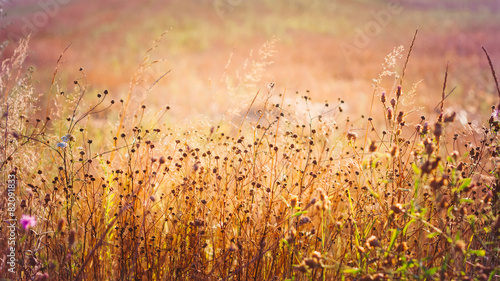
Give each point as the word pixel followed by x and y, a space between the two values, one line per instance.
pixel 28 221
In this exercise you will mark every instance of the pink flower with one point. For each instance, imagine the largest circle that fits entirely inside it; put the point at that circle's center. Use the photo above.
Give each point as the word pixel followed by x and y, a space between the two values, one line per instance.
pixel 28 221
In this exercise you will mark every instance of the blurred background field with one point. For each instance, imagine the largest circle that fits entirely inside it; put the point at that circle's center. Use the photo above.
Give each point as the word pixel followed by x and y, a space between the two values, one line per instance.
pixel 177 186
pixel 332 48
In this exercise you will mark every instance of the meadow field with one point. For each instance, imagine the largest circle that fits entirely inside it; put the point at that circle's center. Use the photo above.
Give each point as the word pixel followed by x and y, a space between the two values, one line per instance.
pixel 250 140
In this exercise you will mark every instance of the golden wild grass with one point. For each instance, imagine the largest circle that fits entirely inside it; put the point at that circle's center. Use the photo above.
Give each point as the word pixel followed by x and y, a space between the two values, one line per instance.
pixel 279 194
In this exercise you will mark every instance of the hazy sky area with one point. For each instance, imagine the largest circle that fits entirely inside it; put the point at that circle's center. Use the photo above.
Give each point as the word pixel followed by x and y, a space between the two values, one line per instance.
pixel 221 52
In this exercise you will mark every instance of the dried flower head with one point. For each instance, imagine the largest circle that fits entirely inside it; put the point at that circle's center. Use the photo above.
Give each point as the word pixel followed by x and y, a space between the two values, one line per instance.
pixel 394 151
pixel 398 92
pixel 438 130
pixel 162 160
pixel 373 146
pixel 304 220
pixel 390 113
pixel 351 136
pixel 399 119
pixel 293 200
pixel 71 237
pixel 393 102
pixel 32 261
pixel 450 117
pixel 425 128
pixel 418 127
pixel 60 224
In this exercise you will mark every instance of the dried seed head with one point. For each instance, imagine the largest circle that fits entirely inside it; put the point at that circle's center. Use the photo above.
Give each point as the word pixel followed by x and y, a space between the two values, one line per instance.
pixel 398 92
pixel 390 113
pixel 23 203
pixel 394 151
pixel 393 102
pixel 304 220
pixel 400 117
pixel 373 146
pixel 152 198
pixel 293 201
pixel 60 224
pixel 454 155
pixel 425 129
pixel 418 127
pixel 372 242
pixel 351 136
pixel 383 98
pixel 438 130
pixel 450 117
pixel 47 198
pixel 312 201
pixel 32 261
pixel 162 160
pixel 71 237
